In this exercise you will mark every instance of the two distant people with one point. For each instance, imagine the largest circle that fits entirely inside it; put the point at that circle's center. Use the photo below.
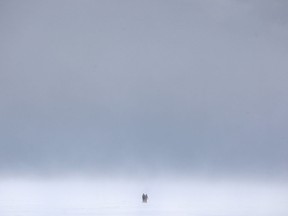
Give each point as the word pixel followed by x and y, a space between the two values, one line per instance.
pixel 144 198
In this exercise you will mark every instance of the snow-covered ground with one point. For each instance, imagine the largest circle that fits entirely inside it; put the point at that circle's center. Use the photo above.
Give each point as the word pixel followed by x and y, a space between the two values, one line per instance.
pixel 79 196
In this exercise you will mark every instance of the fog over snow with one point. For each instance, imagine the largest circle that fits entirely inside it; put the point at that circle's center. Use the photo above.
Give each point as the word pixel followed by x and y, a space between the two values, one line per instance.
pixel 144 86
pixel 101 101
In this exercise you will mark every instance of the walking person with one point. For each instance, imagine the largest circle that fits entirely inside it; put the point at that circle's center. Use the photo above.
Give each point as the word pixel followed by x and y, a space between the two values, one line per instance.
pixel 144 198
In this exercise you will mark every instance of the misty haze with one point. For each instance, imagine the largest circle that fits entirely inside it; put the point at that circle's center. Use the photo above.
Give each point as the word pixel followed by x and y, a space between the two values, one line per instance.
pixel 103 101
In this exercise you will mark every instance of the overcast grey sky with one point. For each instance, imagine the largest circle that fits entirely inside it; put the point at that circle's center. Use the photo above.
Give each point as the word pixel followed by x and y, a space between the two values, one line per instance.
pixel 144 86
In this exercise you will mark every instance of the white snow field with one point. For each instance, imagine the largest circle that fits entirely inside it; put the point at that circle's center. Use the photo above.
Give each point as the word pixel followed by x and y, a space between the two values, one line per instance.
pixel 76 196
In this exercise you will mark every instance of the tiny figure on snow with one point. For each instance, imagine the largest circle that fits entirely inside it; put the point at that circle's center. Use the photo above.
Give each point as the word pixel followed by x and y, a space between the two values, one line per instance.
pixel 144 198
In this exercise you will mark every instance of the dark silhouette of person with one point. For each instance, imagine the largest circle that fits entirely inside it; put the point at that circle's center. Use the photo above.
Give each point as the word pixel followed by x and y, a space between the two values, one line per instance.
pixel 144 198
